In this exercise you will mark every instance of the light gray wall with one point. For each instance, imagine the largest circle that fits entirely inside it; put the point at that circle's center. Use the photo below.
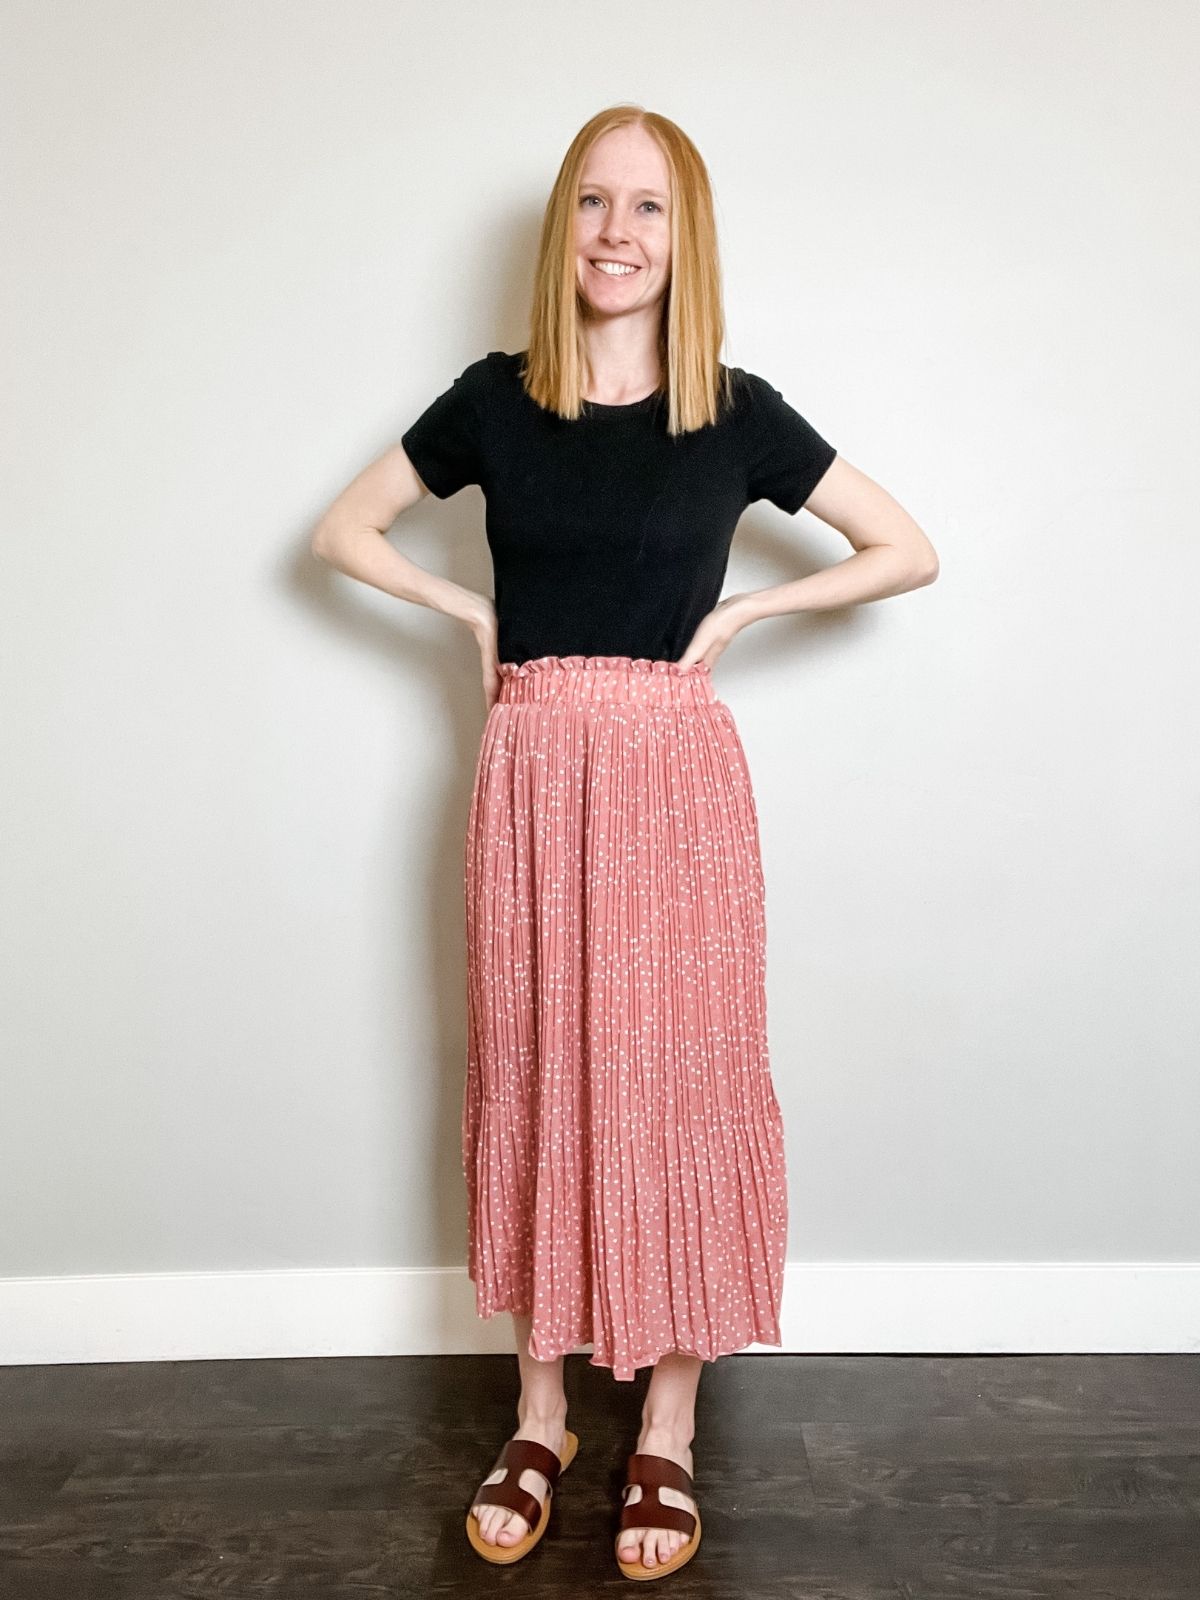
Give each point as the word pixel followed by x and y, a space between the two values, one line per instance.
pixel 251 243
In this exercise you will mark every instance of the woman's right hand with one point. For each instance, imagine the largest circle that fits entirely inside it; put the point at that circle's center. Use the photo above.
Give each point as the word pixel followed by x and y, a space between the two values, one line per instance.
pixel 486 629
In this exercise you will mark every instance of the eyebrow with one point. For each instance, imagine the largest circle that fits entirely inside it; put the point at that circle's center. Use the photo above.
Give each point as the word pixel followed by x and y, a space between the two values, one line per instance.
pixel 653 193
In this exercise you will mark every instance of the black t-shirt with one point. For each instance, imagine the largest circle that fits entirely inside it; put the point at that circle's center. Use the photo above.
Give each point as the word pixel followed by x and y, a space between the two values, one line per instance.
pixel 608 536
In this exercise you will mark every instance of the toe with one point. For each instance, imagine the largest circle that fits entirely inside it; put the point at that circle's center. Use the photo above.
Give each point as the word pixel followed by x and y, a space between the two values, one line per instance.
pixel 651 1546
pixel 498 1526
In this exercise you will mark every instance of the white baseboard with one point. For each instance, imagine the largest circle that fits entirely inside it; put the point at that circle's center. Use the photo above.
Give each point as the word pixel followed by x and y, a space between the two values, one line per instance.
pixel 852 1308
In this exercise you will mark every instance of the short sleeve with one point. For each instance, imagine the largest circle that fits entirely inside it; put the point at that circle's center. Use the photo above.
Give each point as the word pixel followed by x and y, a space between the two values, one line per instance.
pixel 445 443
pixel 785 455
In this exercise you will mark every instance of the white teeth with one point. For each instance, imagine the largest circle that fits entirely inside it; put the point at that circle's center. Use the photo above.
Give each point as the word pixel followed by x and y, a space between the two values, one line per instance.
pixel 614 268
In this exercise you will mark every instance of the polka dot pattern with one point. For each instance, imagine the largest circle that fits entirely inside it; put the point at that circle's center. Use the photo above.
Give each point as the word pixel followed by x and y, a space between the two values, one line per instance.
pixel 622 1142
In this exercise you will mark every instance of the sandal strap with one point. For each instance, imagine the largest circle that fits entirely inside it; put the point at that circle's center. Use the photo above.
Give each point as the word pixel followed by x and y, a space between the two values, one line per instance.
pixel 659 1472
pixel 649 1511
pixel 510 1494
pixel 516 1457
pixel 523 1454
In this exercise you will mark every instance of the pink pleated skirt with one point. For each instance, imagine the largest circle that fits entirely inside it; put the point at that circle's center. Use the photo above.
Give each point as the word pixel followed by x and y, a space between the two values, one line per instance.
pixel 622 1142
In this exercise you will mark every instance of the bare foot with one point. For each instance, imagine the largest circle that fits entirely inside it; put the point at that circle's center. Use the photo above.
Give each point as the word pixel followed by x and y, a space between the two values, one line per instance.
pixel 499 1525
pixel 658 1544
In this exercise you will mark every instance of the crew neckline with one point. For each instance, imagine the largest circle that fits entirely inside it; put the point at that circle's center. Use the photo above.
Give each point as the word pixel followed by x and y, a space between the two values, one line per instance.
pixel 598 409
pixel 595 410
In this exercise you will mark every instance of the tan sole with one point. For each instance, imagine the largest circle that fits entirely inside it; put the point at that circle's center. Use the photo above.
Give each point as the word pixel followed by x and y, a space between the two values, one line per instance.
pixel 635 1569
pixel 502 1555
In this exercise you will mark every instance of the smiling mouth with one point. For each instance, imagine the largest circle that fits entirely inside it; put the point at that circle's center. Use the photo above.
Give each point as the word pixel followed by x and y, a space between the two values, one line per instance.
pixel 614 269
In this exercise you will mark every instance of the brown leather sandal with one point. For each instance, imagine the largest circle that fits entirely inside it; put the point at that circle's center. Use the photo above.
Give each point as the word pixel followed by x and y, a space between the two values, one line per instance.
pixel 516 1456
pixel 653 1473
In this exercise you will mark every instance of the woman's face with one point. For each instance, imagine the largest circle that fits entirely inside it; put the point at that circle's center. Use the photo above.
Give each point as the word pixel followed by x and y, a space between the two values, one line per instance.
pixel 622 217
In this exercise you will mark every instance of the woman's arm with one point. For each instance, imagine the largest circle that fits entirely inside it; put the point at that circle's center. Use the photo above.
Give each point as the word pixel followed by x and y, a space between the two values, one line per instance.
pixel 349 536
pixel 892 554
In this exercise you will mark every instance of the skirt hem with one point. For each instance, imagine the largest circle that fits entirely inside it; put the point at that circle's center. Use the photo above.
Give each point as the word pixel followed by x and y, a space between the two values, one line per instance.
pixel 624 1371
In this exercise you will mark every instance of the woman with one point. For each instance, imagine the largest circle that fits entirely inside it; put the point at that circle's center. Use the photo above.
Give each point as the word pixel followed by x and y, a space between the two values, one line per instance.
pixel 622 1142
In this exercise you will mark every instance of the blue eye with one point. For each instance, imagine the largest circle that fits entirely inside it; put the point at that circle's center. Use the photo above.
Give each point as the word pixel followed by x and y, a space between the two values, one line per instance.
pixel 588 197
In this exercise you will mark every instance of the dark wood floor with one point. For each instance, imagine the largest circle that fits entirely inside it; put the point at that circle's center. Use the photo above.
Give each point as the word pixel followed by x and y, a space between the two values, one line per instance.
pixel 822 1477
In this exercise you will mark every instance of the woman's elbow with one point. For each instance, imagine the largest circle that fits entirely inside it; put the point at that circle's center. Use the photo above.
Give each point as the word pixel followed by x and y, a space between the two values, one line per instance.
pixel 925 563
pixel 321 544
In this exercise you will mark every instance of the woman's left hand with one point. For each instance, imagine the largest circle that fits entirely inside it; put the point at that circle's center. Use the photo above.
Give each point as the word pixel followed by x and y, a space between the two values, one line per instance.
pixel 716 630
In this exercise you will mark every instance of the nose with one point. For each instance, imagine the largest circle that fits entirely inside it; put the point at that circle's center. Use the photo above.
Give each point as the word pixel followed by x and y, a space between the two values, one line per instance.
pixel 611 232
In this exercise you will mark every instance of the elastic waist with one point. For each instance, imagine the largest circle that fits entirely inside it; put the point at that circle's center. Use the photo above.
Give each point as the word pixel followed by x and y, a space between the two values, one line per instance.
pixel 628 680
